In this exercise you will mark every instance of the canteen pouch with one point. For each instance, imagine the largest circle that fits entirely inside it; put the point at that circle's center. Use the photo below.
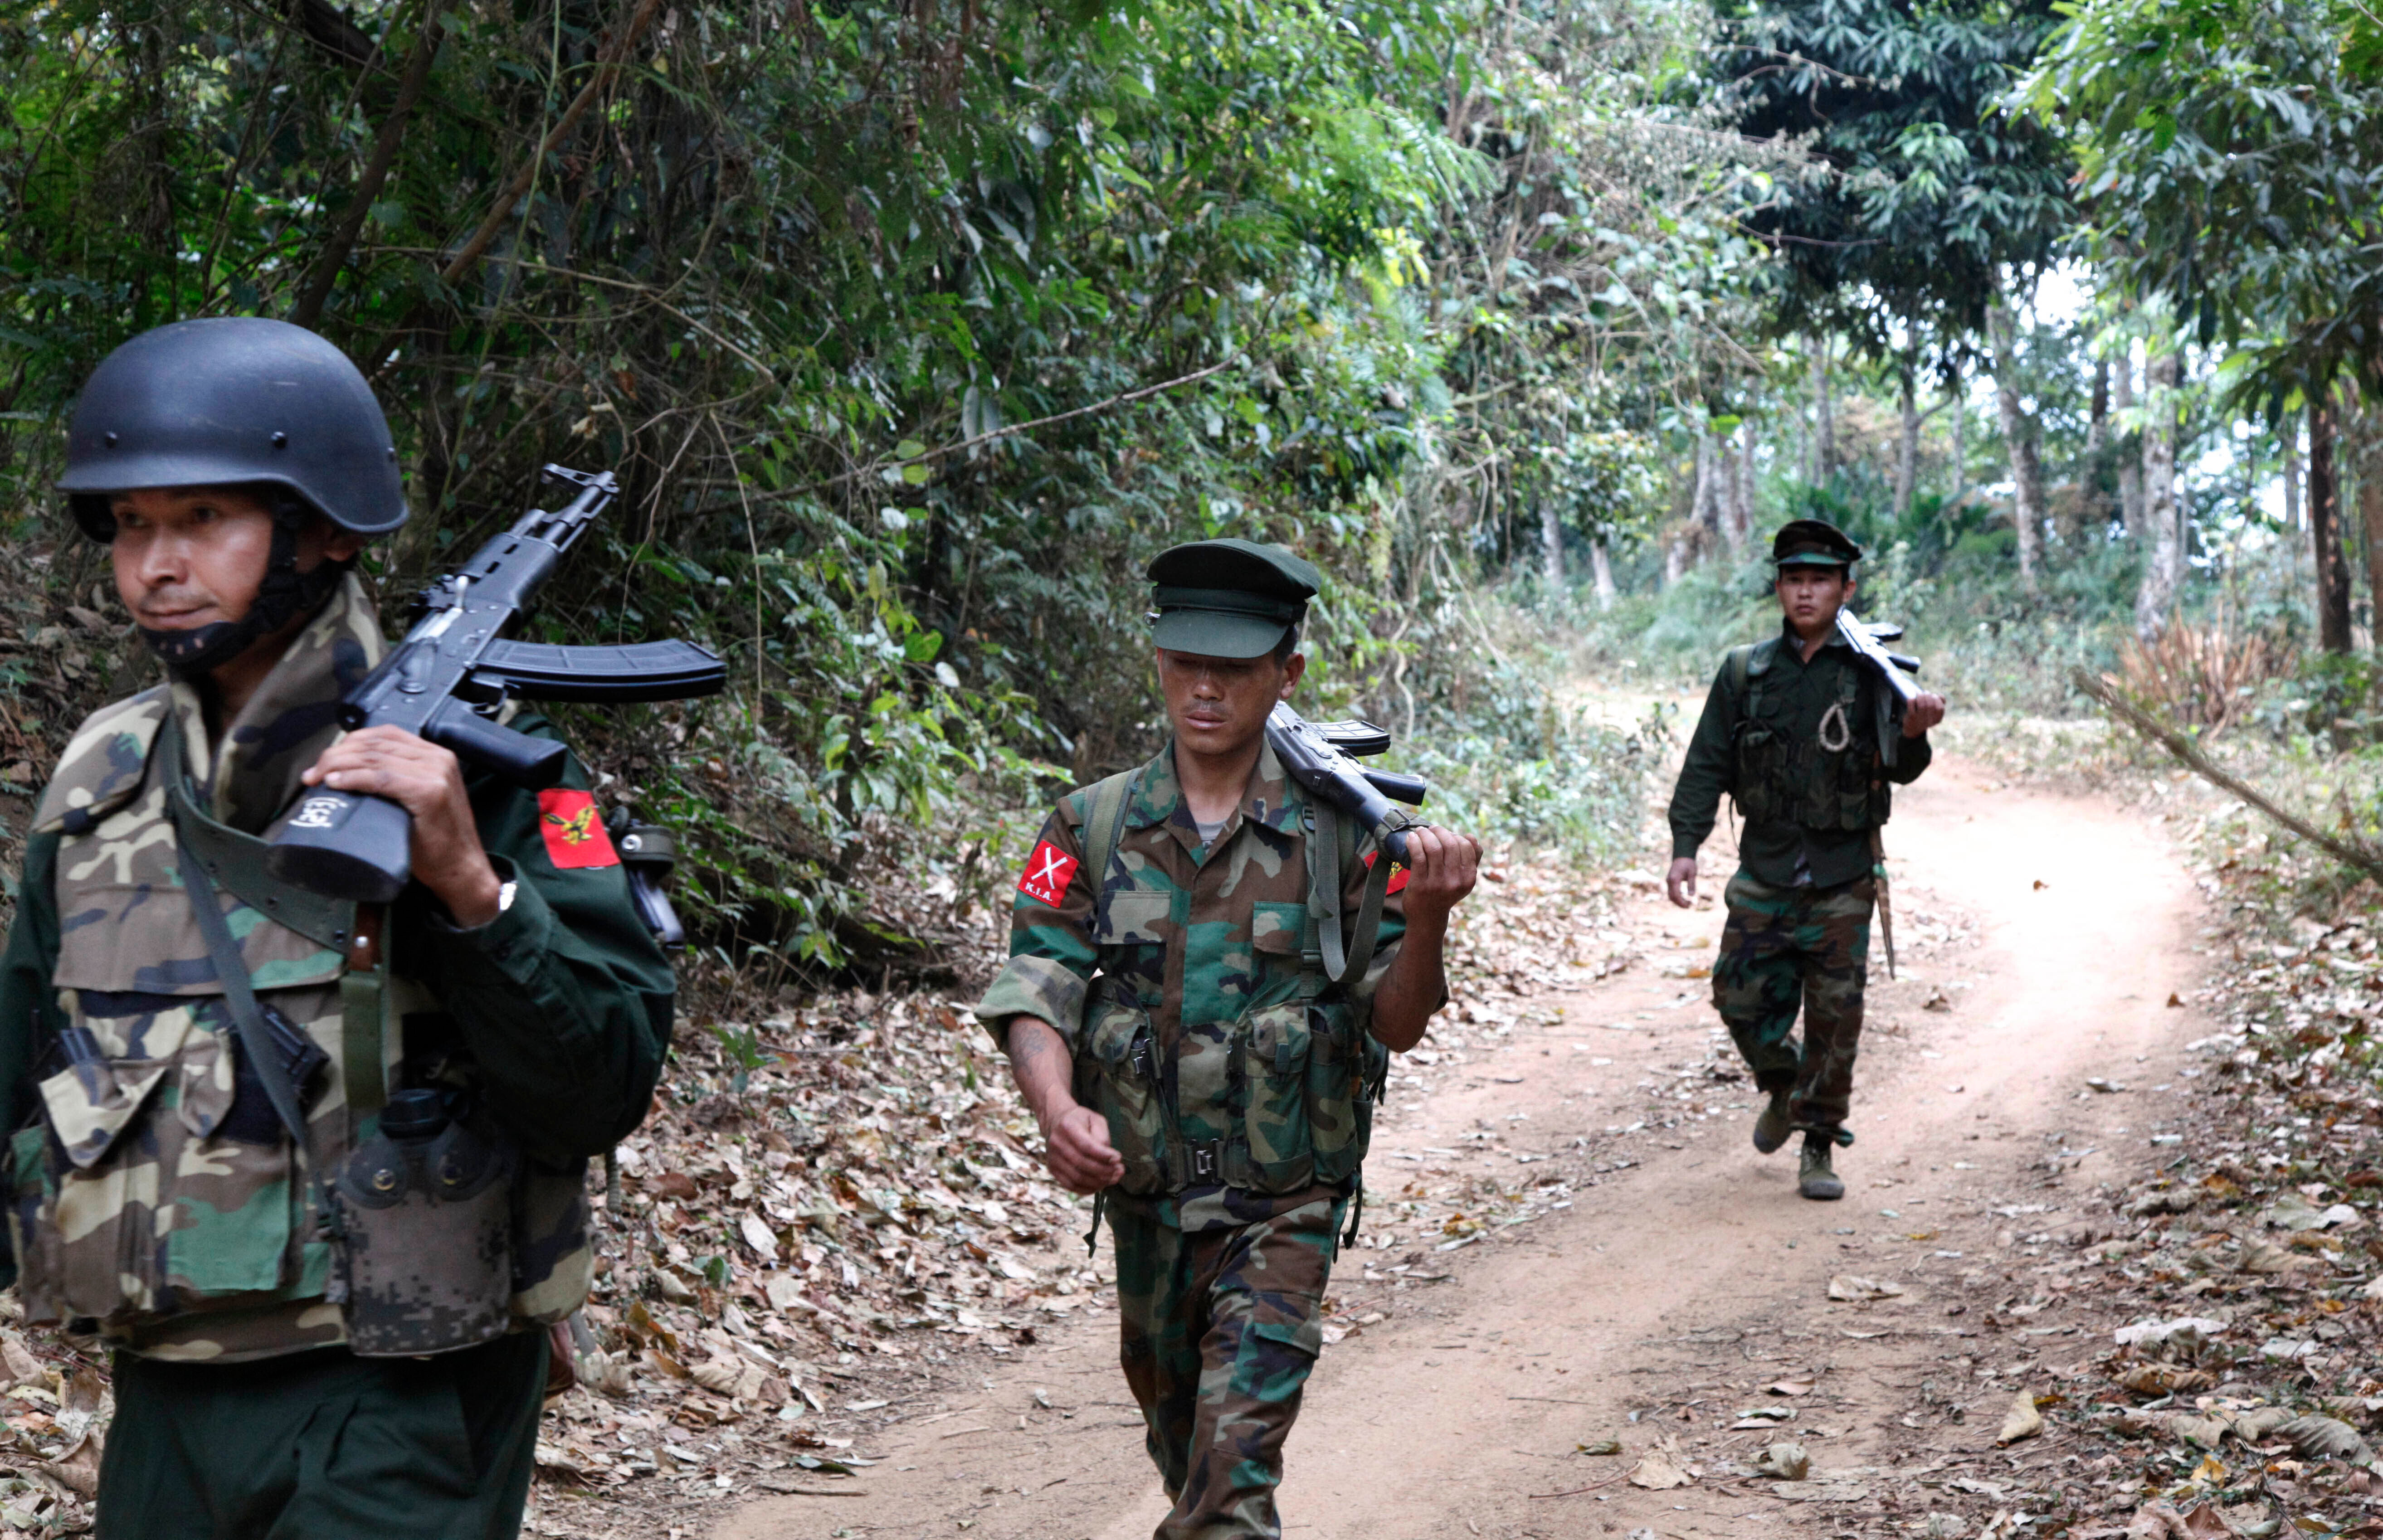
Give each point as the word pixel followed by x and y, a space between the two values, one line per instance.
pixel 1118 1075
pixel 426 1225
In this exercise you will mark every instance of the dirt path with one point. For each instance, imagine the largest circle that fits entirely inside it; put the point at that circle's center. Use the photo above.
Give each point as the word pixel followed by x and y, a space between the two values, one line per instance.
pixel 1685 1277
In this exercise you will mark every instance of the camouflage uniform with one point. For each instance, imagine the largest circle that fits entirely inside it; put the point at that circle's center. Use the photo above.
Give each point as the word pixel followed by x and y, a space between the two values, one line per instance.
pixel 155 1203
pixel 1789 946
pixel 1186 983
pixel 1794 743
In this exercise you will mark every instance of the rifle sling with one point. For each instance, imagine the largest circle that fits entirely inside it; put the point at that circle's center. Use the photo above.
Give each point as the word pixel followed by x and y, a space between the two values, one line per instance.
pixel 211 851
pixel 235 861
pixel 1344 964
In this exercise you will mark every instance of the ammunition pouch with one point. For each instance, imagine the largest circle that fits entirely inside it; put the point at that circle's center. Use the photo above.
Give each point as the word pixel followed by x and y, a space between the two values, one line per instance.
pixel 1295 1102
pixel 1118 1075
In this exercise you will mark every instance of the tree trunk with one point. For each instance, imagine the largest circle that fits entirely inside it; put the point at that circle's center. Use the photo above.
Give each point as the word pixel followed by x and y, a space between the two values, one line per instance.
pixel 1601 567
pixel 1824 420
pixel 1552 545
pixel 2291 482
pixel 2156 596
pixel 1675 558
pixel 2018 438
pixel 2370 519
pixel 2131 466
pixel 2325 532
pixel 2093 504
pixel 1960 444
pixel 1743 483
pixel 1710 509
pixel 334 254
pixel 1907 444
pixel 1730 495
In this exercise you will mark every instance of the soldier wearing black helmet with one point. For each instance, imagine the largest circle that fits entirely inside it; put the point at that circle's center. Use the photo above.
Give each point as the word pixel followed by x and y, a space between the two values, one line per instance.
pixel 1783 733
pixel 236 468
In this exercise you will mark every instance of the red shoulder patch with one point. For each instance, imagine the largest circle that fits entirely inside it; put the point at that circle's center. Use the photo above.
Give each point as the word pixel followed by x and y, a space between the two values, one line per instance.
pixel 1048 872
pixel 1398 873
pixel 574 836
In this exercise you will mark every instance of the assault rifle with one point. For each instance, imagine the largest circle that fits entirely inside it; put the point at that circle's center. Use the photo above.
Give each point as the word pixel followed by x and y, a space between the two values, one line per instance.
pixel 1869 639
pixel 1323 757
pixel 446 681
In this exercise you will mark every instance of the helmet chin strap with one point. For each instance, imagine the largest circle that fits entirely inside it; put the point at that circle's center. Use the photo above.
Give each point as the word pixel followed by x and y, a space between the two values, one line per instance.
pixel 285 595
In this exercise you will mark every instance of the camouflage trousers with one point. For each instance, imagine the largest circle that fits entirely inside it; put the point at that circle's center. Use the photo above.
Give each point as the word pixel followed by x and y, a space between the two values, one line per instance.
pixel 1220 1328
pixel 1786 948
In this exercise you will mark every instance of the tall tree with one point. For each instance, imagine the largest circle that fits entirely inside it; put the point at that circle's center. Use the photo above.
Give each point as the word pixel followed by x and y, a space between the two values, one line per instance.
pixel 2019 441
pixel 2230 155
pixel 2164 560
pixel 2325 530
pixel 1932 203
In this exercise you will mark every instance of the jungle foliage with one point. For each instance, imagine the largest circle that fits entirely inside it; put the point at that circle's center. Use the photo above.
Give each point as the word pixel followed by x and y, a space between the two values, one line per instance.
pixel 913 329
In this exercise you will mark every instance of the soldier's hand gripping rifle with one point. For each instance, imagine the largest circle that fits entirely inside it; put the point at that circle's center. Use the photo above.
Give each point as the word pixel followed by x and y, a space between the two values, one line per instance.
pixel 1319 756
pixel 1869 641
pixel 446 680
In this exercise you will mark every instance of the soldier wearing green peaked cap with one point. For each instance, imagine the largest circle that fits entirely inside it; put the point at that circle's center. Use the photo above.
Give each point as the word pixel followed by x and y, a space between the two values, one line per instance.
pixel 1812 543
pixel 1785 732
pixel 1229 598
pixel 1170 1019
pixel 158 1205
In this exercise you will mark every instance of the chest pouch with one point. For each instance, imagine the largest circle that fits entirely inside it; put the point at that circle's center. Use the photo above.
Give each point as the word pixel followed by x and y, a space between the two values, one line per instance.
pixel 1761 769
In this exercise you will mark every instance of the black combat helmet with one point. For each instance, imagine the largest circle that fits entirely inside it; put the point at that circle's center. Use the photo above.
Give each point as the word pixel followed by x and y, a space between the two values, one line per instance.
pixel 228 402
pixel 237 401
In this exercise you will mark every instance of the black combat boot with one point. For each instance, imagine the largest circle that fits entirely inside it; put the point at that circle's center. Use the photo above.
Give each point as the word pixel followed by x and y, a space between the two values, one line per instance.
pixel 1815 1179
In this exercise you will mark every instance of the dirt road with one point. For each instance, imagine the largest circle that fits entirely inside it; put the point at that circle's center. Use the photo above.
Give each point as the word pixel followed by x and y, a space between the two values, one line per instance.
pixel 1685 1277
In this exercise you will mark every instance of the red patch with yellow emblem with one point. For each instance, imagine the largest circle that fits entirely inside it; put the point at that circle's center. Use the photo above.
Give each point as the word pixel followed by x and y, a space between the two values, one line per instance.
pixel 574 836
pixel 1398 873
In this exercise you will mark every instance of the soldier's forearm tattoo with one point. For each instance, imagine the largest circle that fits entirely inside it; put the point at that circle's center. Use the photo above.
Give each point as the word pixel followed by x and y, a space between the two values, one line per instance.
pixel 1041 1064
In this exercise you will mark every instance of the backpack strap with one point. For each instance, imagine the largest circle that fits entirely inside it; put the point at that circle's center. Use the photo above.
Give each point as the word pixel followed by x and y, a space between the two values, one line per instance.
pixel 1748 665
pixel 1103 828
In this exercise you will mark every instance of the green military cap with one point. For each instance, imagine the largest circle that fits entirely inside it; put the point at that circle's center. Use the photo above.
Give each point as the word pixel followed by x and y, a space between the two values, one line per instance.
pixel 1813 543
pixel 1229 598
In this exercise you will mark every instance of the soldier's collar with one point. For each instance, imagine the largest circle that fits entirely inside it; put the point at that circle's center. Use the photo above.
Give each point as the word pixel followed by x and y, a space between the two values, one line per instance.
pixel 1835 638
pixel 252 773
pixel 1266 802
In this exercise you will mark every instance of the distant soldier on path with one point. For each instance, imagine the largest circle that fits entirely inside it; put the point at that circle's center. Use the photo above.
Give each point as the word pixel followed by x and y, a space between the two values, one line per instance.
pixel 1170 1017
pixel 1785 732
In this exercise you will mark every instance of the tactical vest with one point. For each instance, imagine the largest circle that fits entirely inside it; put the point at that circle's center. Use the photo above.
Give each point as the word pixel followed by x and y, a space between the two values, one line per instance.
pixel 1286 1099
pixel 157 1200
pixel 1830 781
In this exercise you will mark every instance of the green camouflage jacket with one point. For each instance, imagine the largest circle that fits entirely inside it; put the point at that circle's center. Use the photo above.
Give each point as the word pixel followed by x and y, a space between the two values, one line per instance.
pixel 153 1198
pixel 1186 982
pixel 1829 801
